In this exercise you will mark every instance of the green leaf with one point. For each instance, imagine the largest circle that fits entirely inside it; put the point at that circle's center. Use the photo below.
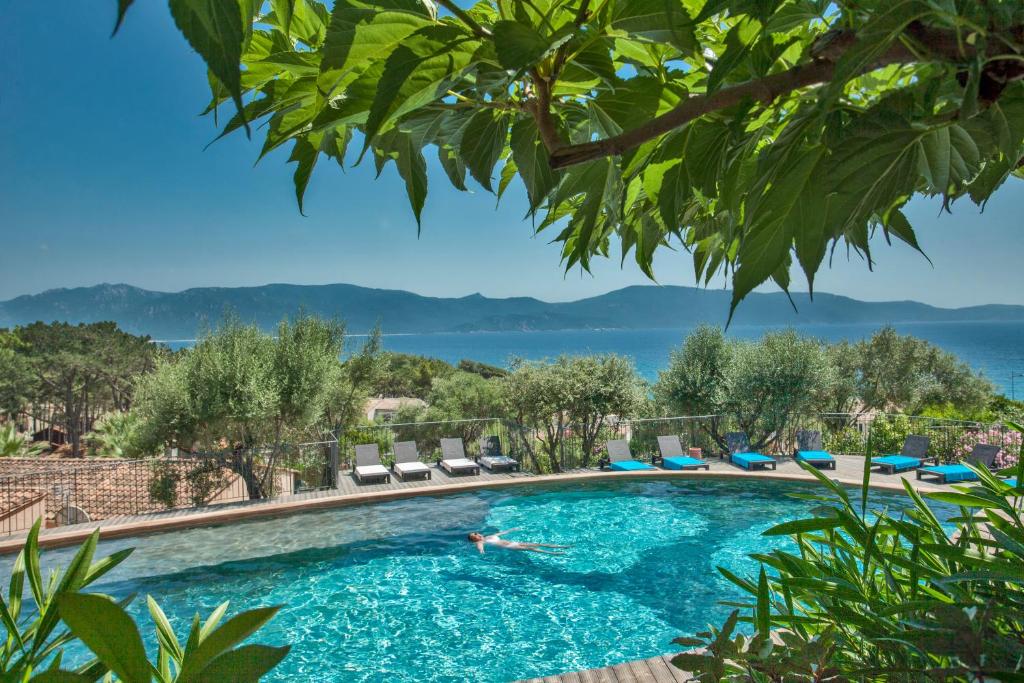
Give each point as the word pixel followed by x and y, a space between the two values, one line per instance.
pixel 61 677
pixel 164 633
pixel 518 46
pixel 803 526
pixel 418 72
pixel 532 160
pixel 482 143
pixel 214 29
pixel 398 146
pixel 122 7
pixel 229 634
pixel 738 43
pixel 763 610
pixel 109 632
pixel 361 32
pixel 658 21
pixel 776 216
pixel 283 10
pixel 246 664
pixel 948 155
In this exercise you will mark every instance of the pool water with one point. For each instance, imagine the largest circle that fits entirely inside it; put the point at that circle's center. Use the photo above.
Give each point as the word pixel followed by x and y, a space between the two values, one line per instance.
pixel 395 592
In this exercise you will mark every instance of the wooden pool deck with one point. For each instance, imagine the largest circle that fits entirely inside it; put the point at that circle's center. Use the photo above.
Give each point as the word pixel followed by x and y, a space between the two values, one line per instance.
pixel 849 470
pixel 653 670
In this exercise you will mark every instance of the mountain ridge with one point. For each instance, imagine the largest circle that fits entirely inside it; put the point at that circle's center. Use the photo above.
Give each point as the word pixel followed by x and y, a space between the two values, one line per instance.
pixel 184 314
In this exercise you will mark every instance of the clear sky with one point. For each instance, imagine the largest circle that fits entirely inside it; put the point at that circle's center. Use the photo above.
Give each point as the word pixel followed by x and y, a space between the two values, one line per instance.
pixel 103 178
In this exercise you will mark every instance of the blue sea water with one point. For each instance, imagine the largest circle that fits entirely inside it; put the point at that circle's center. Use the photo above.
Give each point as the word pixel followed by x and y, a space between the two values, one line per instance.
pixel 395 592
pixel 995 349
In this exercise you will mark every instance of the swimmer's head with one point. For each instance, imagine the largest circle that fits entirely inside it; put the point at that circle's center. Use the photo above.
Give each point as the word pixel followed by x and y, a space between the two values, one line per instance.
pixel 475 537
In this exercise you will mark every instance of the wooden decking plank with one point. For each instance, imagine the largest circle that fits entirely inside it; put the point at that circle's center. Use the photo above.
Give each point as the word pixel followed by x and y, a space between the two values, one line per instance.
pixel 640 671
pixel 678 674
pixel 621 672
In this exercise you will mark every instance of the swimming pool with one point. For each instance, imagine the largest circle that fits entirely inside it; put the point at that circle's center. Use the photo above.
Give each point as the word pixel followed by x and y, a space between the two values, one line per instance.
pixel 393 591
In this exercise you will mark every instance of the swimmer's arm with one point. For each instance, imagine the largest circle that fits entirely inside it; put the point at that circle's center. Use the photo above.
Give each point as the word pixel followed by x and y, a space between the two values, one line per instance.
pixel 480 546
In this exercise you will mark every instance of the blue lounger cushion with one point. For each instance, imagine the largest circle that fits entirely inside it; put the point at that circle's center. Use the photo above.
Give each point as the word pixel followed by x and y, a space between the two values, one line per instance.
pixel 681 462
pixel 1011 482
pixel 747 460
pixel 898 462
pixel 814 456
pixel 953 472
pixel 629 465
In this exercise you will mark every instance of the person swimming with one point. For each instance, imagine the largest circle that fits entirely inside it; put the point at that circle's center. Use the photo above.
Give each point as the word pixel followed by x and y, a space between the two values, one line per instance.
pixel 495 539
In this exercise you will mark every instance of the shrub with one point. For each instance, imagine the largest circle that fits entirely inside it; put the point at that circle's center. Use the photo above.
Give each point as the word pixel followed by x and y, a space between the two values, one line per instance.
pixel 887 434
pixel 880 595
pixel 846 441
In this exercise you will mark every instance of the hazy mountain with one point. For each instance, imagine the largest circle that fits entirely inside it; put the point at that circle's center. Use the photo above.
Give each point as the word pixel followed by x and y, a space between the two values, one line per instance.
pixel 181 315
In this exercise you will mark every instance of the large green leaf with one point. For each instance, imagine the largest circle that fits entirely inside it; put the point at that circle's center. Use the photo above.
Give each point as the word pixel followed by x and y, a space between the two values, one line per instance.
pixel 531 159
pixel 109 632
pixel 222 639
pixel 418 72
pixel 398 146
pixel 659 21
pixel 363 31
pixel 215 29
pixel 482 143
pixel 246 664
pixel 518 46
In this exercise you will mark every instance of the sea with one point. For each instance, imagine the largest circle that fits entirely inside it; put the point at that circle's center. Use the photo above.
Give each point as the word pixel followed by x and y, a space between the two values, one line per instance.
pixel 996 349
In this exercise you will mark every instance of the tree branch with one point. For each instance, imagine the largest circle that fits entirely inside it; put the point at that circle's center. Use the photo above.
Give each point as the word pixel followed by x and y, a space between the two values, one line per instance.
pixel 764 89
pixel 934 43
pixel 480 31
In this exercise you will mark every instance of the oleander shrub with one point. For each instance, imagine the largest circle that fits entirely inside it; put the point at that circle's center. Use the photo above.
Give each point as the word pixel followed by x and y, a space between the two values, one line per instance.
pixel 876 594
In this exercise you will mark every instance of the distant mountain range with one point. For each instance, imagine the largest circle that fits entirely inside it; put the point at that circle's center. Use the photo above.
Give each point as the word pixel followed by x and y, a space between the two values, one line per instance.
pixel 182 315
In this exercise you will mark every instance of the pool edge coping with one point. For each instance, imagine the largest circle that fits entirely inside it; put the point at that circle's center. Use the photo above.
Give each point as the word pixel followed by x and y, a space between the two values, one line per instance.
pixel 143 527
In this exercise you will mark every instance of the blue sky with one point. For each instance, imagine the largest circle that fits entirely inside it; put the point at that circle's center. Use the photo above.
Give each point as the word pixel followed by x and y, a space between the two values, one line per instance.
pixel 103 178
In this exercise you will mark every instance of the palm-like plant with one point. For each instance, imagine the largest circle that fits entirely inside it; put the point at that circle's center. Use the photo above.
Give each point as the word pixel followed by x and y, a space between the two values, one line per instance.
pixel 15 445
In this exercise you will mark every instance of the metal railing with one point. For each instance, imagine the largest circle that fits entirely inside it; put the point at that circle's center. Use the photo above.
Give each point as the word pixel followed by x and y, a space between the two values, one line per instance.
pixel 68 492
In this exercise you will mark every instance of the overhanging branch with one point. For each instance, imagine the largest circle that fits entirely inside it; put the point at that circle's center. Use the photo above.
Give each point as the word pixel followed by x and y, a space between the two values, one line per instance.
pixel 934 44
pixel 764 89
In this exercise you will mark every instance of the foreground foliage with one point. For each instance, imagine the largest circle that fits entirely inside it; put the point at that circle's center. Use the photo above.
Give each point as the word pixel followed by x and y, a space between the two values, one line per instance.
pixel 893 595
pixel 33 648
pixel 751 133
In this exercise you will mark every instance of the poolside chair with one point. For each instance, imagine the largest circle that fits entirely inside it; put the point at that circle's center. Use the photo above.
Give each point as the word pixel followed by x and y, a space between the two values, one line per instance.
pixel 982 454
pixel 809 449
pixel 492 458
pixel 453 458
pixel 673 458
pixel 741 455
pixel 620 459
pixel 407 461
pixel 368 467
pixel 913 455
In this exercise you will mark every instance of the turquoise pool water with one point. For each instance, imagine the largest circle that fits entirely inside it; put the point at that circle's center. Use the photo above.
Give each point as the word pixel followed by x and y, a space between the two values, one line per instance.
pixel 394 591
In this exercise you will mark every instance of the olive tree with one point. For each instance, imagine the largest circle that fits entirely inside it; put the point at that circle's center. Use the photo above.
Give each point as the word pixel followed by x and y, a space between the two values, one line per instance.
pixel 571 394
pixel 754 134
pixel 244 388
pixel 894 372
pixel 760 387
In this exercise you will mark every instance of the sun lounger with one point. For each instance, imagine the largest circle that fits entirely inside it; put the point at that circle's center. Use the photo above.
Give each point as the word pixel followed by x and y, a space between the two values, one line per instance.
pixel 673 458
pixel 407 461
pixel 810 450
pixel 368 467
pixel 492 458
pixel 454 460
pixel 741 455
pixel 913 455
pixel 982 454
pixel 620 459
